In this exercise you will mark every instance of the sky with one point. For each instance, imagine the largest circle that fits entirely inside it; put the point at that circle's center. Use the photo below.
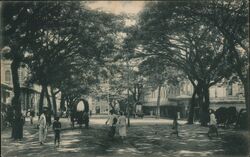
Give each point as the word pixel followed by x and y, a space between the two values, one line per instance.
pixel 118 7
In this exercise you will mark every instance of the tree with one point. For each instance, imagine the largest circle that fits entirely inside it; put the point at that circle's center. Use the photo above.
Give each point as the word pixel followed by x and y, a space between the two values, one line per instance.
pixel 159 73
pixel 69 43
pixel 185 43
pixel 232 21
pixel 16 33
pixel 41 34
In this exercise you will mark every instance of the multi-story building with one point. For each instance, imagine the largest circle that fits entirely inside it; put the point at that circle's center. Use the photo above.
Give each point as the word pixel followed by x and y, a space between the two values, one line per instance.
pixel 6 82
pixel 172 97
pixel 30 93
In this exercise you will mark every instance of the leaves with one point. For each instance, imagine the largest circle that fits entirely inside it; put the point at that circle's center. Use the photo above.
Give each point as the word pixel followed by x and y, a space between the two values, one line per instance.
pixel 63 43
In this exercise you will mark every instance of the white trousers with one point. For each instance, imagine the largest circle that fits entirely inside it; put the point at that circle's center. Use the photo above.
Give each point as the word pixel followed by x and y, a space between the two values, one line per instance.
pixel 42 134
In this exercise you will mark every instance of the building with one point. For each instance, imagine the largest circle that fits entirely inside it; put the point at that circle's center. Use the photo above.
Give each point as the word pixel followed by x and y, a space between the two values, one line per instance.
pixel 99 103
pixel 30 93
pixel 178 98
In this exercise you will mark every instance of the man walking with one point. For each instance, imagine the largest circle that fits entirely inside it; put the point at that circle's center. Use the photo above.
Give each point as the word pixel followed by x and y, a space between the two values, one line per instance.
pixel 42 128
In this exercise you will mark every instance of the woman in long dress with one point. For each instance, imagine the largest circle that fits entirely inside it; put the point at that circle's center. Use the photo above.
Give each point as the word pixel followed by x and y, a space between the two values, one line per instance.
pixel 122 126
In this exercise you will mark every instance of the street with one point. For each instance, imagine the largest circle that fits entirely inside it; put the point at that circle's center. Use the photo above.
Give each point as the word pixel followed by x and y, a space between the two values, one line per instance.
pixel 146 137
pixel 185 60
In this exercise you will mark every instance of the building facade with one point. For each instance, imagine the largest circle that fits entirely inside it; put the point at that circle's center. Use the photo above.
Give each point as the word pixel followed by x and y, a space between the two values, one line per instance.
pixel 225 94
pixel 30 94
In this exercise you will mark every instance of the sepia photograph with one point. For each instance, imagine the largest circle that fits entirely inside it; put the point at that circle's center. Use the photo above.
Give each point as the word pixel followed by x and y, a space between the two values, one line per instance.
pixel 125 78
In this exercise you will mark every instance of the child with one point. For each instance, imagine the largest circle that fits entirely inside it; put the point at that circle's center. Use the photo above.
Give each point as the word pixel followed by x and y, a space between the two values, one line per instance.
pixel 175 127
pixel 57 129
pixel 212 124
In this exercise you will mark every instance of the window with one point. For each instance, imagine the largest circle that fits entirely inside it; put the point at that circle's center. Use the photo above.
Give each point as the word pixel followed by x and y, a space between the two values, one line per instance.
pixel 7 76
pixel 229 89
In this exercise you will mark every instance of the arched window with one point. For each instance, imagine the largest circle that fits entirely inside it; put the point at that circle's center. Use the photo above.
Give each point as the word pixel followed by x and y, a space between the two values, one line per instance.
pixel 7 76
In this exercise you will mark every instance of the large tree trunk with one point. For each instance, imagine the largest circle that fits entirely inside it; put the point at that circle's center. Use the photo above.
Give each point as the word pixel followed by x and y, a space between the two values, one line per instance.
pixel 205 106
pixel 246 85
pixel 239 66
pixel 49 105
pixel 247 97
pixel 41 99
pixel 128 113
pixel 158 112
pixel 191 107
pixel 62 102
pixel 54 101
pixel 200 102
pixel 128 118
pixel 17 126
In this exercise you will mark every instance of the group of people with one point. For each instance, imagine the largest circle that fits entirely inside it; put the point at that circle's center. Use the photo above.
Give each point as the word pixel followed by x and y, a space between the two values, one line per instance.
pixel 212 125
pixel 114 122
pixel 43 128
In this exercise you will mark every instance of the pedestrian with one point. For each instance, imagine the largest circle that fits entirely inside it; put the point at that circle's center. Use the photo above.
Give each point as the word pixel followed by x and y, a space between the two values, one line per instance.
pixel 175 127
pixel 57 130
pixel 111 116
pixel 212 124
pixel 113 128
pixel 42 128
pixel 122 126
pixel 111 122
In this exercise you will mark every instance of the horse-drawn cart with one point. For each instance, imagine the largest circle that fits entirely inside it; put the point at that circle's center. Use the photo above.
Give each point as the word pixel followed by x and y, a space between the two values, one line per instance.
pixel 79 113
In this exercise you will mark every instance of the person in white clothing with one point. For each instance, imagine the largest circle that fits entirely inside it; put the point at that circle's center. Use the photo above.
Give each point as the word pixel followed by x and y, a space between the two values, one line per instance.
pixel 212 124
pixel 122 126
pixel 42 128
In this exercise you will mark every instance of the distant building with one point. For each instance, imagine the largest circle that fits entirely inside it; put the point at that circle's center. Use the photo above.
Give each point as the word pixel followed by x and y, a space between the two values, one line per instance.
pixel 100 106
pixel 178 98
pixel 99 103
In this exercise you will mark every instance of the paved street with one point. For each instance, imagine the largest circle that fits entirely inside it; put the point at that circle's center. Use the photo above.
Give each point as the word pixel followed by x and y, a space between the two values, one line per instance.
pixel 147 137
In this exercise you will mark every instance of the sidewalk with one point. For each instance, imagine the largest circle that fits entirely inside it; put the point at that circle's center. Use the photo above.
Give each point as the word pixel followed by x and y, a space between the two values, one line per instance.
pixel 146 137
